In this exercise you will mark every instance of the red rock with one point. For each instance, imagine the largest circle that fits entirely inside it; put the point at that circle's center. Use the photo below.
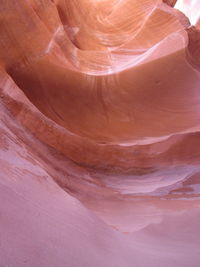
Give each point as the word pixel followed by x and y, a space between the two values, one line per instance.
pixel 99 133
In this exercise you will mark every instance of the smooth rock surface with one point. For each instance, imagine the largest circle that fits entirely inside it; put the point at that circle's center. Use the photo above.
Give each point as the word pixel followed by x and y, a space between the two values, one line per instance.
pixel 99 133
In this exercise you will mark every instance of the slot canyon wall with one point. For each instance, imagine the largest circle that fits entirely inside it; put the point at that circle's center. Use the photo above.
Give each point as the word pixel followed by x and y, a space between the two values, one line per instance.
pixel 99 133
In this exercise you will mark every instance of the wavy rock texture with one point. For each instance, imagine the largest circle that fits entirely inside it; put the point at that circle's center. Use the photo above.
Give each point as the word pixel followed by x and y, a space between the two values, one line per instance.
pixel 99 133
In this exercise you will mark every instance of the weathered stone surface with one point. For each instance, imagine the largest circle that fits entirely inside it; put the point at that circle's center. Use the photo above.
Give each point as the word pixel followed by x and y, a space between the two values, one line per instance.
pixel 99 133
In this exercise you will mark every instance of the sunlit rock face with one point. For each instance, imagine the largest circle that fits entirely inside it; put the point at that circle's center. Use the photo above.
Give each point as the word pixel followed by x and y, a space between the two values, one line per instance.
pixel 191 9
pixel 99 133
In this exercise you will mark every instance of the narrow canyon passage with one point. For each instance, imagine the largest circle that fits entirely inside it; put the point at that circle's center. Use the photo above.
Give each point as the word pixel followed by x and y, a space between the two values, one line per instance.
pixel 99 133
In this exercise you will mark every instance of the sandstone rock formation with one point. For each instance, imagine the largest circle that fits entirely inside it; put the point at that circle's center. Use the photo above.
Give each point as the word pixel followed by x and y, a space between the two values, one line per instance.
pixel 99 133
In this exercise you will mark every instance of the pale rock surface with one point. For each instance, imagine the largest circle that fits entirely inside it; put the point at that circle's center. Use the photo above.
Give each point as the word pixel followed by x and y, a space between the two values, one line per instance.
pixel 99 133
